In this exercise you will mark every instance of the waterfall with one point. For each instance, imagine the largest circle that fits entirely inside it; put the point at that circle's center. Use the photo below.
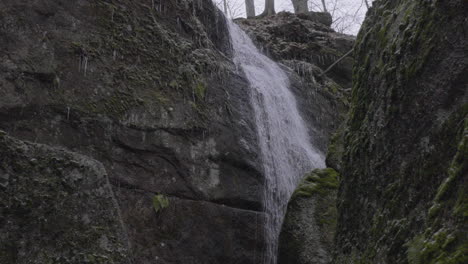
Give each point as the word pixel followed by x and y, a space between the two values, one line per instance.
pixel 286 151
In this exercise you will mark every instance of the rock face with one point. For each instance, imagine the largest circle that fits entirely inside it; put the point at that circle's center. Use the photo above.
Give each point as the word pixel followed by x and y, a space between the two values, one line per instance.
pixel 146 88
pixel 309 226
pixel 402 152
pixel 56 207
pixel 403 197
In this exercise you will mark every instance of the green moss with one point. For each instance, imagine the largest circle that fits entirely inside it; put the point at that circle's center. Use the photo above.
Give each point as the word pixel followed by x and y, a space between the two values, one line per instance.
pixel 200 90
pixel 436 249
pixel 336 149
pixel 457 168
pixel 329 217
pixel 382 35
pixel 356 258
pixel 444 242
pixel 317 182
pixel 115 105
pixel 415 247
pixel 461 205
pixel 156 97
pixel 174 84
pixel 160 202
pixel 434 210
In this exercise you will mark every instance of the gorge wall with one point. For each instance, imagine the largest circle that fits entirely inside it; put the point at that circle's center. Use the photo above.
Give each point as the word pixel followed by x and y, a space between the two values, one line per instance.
pixel 127 135
pixel 402 153
pixel 130 134
pixel 147 89
pixel 403 195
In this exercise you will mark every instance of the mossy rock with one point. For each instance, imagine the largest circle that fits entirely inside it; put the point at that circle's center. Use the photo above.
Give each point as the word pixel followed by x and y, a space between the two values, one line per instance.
pixel 310 223
pixel 160 202
pixel 317 182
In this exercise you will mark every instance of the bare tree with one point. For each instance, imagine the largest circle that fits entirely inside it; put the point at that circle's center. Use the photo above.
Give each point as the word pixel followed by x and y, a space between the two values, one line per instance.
pixel 317 7
pixel 347 15
pixel 300 6
pixel 344 19
pixel 250 8
pixel 232 8
pixel 269 8
pixel 324 6
pixel 367 3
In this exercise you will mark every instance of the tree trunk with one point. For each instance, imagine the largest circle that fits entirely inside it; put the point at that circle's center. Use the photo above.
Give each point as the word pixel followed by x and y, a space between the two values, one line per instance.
pixel 269 8
pixel 225 8
pixel 300 6
pixel 250 8
pixel 367 3
pixel 324 6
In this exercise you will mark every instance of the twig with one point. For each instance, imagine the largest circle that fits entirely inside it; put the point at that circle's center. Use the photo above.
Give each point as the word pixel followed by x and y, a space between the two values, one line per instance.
pixel 336 62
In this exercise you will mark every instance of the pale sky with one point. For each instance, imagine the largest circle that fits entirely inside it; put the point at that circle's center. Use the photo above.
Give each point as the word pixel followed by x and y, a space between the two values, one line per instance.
pixel 348 13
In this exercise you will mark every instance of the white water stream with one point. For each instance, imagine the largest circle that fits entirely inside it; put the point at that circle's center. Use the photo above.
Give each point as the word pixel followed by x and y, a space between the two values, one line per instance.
pixel 285 146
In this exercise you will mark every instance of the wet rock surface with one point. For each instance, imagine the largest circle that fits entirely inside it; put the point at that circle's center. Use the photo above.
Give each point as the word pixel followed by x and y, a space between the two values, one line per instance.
pixel 402 150
pixel 148 90
pixel 403 194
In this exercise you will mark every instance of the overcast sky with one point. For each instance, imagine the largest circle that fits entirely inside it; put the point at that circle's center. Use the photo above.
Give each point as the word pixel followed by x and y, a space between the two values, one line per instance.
pixel 350 13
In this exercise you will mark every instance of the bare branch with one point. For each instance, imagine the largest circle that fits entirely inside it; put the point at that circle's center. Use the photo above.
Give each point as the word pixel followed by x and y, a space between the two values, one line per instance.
pixel 338 61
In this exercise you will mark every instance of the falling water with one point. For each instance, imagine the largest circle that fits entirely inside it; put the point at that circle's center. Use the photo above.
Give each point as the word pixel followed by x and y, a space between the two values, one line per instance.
pixel 286 150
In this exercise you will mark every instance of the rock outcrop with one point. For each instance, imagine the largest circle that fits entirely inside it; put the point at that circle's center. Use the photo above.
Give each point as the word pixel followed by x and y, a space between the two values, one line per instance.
pixel 146 88
pixel 56 207
pixel 403 197
pixel 309 226
pixel 402 151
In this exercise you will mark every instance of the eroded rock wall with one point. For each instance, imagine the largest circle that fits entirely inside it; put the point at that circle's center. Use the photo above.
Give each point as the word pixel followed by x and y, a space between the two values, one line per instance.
pixel 147 88
pixel 403 194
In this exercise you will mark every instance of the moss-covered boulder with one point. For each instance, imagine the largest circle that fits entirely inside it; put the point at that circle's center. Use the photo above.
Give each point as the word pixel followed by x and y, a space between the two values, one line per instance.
pixel 309 226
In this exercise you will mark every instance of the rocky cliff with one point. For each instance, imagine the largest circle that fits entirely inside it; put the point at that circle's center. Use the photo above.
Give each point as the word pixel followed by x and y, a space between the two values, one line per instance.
pixel 144 95
pixel 146 88
pixel 402 152
pixel 403 194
